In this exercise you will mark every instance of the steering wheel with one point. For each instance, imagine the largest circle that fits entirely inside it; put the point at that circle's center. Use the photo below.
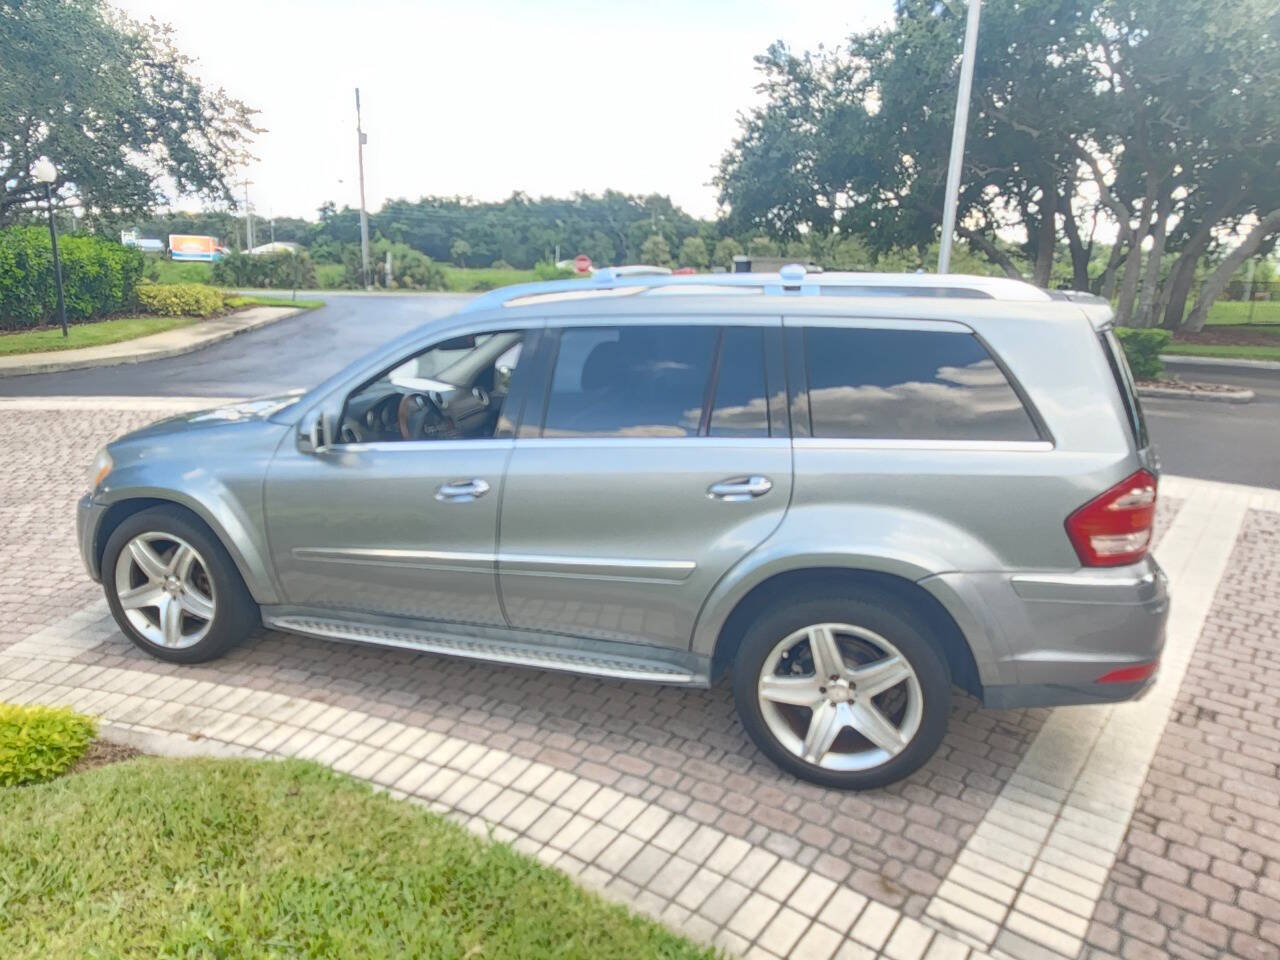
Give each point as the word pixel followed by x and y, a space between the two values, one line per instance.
pixel 420 416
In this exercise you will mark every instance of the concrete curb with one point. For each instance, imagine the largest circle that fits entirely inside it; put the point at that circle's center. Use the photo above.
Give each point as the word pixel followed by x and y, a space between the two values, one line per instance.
pixel 1222 396
pixel 1192 361
pixel 106 356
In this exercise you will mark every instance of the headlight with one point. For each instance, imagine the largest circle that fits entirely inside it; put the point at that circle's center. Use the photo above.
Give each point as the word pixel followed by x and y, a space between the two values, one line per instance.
pixel 102 465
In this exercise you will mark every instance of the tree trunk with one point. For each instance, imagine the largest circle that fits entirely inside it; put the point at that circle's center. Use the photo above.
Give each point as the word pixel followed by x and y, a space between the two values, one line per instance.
pixel 983 244
pixel 1183 275
pixel 1107 282
pixel 1146 312
pixel 1220 277
pixel 1047 233
pixel 1132 272
pixel 1080 253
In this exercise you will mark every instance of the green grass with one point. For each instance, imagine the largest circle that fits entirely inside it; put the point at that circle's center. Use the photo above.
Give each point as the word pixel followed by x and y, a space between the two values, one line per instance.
pixel 164 270
pixel 467 279
pixel 1237 311
pixel 1246 351
pixel 38 744
pixel 88 334
pixel 329 276
pixel 243 300
pixel 231 859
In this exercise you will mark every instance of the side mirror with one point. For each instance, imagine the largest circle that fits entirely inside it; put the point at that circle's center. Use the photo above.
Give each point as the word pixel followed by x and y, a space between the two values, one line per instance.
pixel 317 430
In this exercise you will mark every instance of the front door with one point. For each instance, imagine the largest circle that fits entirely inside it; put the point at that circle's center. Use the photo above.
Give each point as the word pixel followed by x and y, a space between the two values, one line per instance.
pixel 399 515
pixel 655 459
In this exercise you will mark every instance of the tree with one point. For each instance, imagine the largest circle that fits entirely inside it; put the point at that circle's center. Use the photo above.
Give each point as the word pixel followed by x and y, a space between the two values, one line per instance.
pixel 693 253
pixel 116 107
pixel 459 250
pixel 726 249
pixel 655 251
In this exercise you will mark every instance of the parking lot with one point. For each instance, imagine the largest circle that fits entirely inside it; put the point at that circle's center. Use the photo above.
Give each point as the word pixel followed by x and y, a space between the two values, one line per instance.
pixel 1148 829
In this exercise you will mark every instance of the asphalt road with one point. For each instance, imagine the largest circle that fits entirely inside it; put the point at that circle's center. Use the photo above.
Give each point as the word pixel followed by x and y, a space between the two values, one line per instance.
pixel 298 352
pixel 1238 443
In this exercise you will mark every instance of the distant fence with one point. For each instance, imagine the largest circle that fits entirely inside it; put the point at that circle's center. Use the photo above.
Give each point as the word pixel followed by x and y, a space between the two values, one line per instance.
pixel 1244 302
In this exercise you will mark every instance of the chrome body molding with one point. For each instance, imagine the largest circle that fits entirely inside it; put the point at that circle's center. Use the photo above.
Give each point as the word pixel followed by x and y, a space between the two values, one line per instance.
pixel 546 652
pixel 591 568
pixel 971 446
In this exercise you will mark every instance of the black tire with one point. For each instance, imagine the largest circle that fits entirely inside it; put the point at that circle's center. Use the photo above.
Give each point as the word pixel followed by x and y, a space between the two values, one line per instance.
pixel 871 609
pixel 235 615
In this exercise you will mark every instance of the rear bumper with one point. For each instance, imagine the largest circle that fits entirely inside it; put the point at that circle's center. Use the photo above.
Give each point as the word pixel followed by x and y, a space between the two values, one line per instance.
pixel 1054 635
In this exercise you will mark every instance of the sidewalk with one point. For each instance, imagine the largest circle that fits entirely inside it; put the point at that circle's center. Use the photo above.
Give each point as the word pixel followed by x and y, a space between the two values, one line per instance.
pixel 171 343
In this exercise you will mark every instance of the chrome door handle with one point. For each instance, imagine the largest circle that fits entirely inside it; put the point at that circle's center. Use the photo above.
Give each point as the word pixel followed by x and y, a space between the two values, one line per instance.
pixel 461 491
pixel 740 488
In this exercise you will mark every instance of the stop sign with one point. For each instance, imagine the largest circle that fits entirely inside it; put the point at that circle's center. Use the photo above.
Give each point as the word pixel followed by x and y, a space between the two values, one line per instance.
pixel 582 263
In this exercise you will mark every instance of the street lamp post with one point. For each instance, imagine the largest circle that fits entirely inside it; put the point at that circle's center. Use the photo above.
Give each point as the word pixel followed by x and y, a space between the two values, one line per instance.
pixel 43 171
pixel 957 136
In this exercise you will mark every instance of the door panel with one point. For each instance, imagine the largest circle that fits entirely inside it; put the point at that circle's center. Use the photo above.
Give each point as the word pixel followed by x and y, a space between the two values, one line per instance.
pixel 619 540
pixel 362 528
pixel 655 457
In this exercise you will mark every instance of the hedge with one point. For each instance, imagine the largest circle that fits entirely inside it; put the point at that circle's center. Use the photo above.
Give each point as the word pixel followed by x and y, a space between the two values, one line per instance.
pixel 1143 347
pixel 281 270
pixel 180 299
pixel 99 277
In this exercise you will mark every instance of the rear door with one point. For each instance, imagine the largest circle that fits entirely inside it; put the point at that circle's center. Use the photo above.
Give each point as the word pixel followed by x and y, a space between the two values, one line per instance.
pixel 655 456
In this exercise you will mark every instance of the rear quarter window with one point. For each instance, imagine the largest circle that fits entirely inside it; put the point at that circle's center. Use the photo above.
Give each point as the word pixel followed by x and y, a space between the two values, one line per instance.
pixel 866 383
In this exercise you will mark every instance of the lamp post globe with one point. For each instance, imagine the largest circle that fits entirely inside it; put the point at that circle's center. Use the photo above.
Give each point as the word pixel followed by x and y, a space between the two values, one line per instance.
pixel 43 171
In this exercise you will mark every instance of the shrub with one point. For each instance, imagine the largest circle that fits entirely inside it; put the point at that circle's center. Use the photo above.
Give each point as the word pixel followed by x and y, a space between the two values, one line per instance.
pixel 281 270
pixel 1143 348
pixel 499 265
pixel 99 277
pixel 549 271
pixel 40 743
pixel 180 299
pixel 410 269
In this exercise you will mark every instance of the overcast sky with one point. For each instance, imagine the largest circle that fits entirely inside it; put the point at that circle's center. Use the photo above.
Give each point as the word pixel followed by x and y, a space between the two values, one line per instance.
pixel 492 96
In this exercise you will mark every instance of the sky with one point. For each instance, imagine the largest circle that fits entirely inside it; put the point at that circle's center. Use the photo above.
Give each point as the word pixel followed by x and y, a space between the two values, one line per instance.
pixel 485 98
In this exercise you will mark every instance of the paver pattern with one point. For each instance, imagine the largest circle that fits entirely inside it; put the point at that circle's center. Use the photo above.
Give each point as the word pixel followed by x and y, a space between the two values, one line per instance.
pixel 652 795
pixel 1199 871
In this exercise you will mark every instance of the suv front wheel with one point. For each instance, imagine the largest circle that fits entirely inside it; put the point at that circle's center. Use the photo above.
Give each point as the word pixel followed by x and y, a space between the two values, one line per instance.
pixel 845 690
pixel 172 587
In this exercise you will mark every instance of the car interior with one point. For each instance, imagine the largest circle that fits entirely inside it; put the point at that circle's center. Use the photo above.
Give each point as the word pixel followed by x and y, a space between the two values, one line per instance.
pixel 453 391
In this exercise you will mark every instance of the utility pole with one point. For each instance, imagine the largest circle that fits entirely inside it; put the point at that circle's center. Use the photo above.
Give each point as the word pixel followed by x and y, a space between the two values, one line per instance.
pixel 361 139
pixel 957 136
pixel 248 218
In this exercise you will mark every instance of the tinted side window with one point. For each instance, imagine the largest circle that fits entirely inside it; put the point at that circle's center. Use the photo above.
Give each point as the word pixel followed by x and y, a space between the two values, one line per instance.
pixel 741 407
pixel 629 382
pixel 909 385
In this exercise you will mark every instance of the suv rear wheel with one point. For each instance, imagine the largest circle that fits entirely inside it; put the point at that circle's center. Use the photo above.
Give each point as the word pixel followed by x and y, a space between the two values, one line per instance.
pixel 173 589
pixel 845 690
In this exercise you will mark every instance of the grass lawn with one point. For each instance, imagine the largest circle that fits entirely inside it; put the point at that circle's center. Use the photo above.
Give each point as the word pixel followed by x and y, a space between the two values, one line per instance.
pixel 1234 351
pixel 88 334
pixel 467 279
pixel 1237 311
pixel 241 300
pixel 248 858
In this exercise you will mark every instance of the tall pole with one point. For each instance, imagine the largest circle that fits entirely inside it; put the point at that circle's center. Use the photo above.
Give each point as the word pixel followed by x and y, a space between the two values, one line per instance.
pixel 248 218
pixel 57 261
pixel 957 136
pixel 364 217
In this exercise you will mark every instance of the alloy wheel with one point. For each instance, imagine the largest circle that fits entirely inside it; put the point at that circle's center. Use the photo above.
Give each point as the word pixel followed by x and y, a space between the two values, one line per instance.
pixel 840 697
pixel 164 588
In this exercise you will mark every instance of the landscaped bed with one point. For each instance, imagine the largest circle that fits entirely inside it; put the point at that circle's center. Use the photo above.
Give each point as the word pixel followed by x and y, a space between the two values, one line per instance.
pixel 1257 341
pixel 255 858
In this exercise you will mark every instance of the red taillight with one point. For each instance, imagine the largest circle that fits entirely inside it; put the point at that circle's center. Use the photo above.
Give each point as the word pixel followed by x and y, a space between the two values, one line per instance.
pixel 1135 674
pixel 1114 528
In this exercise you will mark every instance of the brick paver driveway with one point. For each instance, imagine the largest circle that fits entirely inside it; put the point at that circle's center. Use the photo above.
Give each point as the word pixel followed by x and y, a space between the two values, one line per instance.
pixel 1144 830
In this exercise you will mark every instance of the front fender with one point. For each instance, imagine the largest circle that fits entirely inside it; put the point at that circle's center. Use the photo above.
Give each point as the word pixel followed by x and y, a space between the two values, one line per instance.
pixel 219 479
pixel 901 543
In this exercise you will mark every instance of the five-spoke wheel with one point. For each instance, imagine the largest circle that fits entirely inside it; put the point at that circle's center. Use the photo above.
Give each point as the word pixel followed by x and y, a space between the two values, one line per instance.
pixel 172 587
pixel 848 690
pixel 163 586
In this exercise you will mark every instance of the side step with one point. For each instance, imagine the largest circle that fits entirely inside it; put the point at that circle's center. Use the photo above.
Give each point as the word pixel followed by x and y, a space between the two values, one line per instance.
pixel 481 648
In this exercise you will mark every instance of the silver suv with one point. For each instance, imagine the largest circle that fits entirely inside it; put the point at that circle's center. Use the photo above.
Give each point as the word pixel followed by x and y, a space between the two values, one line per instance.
pixel 842 493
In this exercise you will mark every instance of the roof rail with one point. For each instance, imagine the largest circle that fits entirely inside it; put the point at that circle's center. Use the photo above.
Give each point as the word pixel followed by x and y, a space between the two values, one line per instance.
pixel 791 279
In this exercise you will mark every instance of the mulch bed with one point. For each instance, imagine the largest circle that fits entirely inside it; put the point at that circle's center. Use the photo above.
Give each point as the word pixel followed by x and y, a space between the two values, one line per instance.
pixel 1244 335
pixel 1192 385
pixel 101 753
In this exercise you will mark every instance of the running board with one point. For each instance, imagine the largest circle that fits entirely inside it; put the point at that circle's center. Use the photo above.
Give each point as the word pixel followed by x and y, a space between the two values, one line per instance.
pixel 493 651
